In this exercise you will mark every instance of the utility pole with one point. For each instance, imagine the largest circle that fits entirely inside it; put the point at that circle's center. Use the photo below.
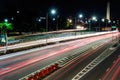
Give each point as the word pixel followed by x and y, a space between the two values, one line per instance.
pixel 46 26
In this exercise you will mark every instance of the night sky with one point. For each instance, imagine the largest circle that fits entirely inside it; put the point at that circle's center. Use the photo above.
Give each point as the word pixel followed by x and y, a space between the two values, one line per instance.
pixel 63 7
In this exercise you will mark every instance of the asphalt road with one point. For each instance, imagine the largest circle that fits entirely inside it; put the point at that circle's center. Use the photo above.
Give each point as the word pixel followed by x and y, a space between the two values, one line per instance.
pixel 113 72
pixel 18 66
pixel 70 70
pixel 100 70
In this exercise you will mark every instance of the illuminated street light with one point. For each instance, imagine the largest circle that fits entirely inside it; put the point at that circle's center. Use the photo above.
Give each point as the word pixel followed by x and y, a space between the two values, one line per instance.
pixel 69 20
pixel 12 18
pixel 6 20
pixel 103 20
pixel 94 18
pixel 114 22
pixel 18 12
pixel 53 11
pixel 80 15
pixel 53 19
pixel 109 21
pixel 39 20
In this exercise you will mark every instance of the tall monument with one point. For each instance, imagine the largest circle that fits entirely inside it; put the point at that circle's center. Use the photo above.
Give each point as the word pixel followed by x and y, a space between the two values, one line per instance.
pixel 108 11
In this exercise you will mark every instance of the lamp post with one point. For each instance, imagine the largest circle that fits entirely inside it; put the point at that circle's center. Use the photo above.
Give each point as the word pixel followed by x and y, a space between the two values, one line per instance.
pixel 94 18
pixel 77 19
pixel 6 39
pixel 80 16
pixel 53 12
pixel 89 24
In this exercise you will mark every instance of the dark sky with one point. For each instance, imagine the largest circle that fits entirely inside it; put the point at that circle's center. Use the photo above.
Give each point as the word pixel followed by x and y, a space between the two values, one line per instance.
pixel 64 7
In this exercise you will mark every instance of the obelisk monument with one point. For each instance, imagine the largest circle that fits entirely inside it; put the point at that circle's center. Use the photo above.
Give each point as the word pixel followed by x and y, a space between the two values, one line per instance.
pixel 108 11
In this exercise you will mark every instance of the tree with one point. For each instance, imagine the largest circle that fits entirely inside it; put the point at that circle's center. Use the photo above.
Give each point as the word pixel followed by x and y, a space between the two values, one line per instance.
pixel 4 27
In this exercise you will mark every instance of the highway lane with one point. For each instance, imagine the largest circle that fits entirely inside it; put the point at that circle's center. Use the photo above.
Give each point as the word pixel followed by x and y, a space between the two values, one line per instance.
pixel 98 72
pixel 67 72
pixel 102 71
pixel 57 47
pixel 57 52
pixel 113 73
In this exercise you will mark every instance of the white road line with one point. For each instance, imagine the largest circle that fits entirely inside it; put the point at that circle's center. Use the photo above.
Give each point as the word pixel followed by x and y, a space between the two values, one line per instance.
pixel 93 64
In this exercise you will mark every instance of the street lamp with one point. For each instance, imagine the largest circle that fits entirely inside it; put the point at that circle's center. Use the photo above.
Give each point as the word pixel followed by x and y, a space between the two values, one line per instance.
pixel 53 12
pixel 94 18
pixel 103 20
pixel 18 12
pixel 6 39
pixel 80 15
pixel 78 19
pixel 6 20
pixel 89 21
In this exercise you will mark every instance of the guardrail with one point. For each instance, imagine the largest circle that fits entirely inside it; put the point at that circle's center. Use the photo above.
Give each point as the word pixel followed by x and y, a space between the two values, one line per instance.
pixel 40 74
pixel 49 36
pixel 43 42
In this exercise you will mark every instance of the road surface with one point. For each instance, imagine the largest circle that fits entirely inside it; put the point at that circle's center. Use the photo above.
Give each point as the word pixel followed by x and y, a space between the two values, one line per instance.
pixel 68 71
pixel 16 66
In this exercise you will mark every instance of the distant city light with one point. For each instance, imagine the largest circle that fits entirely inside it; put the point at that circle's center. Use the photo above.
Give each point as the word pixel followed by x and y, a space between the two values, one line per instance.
pixel 70 20
pixel 80 27
pixel 53 19
pixel 114 22
pixel 103 20
pixel 12 18
pixel 18 11
pixel 94 18
pixel 109 21
pixel 39 20
pixel 89 20
pixel 86 22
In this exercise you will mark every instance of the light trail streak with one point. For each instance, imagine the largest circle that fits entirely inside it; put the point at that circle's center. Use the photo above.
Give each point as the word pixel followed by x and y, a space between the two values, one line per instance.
pixel 109 72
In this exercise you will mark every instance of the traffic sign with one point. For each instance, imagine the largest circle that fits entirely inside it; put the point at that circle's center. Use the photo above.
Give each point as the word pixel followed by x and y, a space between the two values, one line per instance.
pixel 2 38
pixel 113 26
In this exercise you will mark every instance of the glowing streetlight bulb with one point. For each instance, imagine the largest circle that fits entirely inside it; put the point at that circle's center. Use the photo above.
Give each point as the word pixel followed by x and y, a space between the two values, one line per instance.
pixel 94 18
pixel 103 20
pixel 80 15
pixel 6 20
pixel 53 11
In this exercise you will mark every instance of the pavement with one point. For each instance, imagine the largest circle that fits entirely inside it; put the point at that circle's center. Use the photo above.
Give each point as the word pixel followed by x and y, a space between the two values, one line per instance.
pixel 48 55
